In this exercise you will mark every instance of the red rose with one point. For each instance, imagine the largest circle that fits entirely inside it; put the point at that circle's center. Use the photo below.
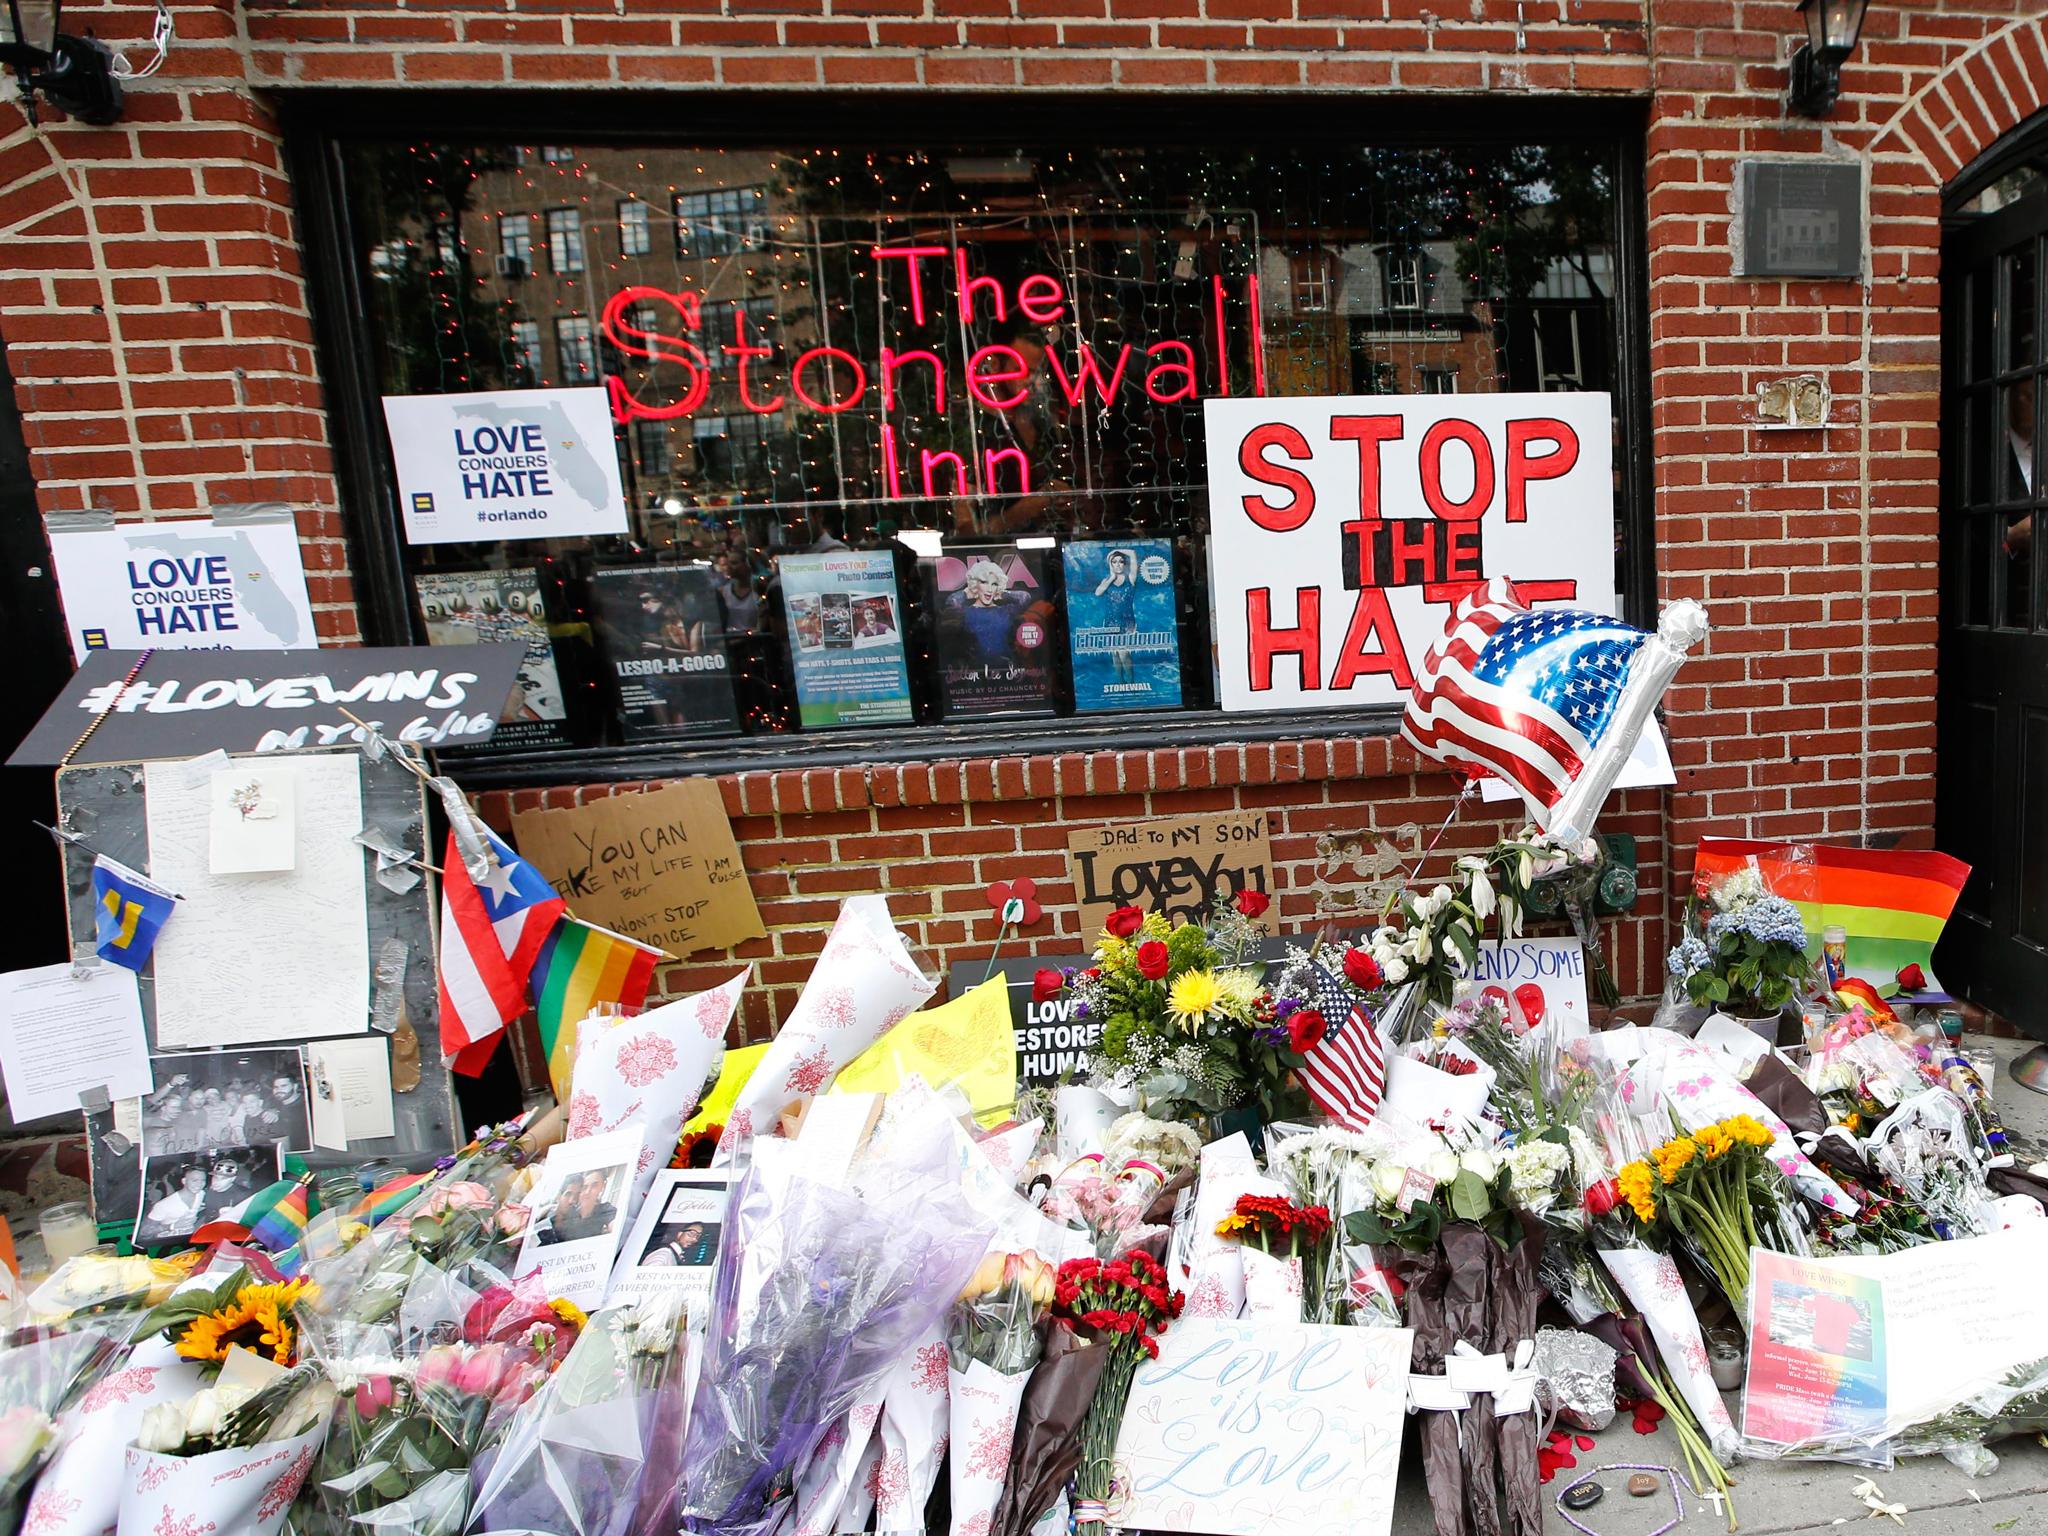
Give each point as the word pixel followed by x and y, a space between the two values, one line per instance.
pixel 1253 903
pixel 1601 1198
pixel 1047 985
pixel 1305 1027
pixel 1912 978
pixel 1124 922
pixel 1153 960
pixel 1361 970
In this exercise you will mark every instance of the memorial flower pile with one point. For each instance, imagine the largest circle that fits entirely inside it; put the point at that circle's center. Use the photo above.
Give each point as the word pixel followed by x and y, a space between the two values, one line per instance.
pixel 1119 1306
pixel 1706 1189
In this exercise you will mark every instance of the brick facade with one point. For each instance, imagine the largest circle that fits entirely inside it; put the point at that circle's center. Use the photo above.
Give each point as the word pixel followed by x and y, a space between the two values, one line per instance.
pixel 157 325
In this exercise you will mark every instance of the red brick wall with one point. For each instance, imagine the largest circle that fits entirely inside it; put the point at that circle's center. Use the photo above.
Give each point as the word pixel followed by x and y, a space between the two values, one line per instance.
pixel 154 315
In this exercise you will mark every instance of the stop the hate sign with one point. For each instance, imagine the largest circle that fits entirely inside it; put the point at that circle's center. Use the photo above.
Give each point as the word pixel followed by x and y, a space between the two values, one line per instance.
pixel 1343 529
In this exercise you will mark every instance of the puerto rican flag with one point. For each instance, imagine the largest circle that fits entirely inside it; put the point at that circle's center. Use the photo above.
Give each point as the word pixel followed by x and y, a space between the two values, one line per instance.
pixel 1524 693
pixel 1345 1072
pixel 491 934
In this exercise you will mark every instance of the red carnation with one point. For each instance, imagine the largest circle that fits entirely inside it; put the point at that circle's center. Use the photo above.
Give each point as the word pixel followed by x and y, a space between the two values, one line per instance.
pixel 1361 970
pixel 1912 978
pixel 1305 1027
pixel 1253 903
pixel 1046 985
pixel 1124 922
pixel 1153 960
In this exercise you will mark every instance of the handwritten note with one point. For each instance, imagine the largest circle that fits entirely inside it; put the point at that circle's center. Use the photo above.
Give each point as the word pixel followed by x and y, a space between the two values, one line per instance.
pixel 1180 867
pixel 283 956
pixel 661 867
pixel 1245 1428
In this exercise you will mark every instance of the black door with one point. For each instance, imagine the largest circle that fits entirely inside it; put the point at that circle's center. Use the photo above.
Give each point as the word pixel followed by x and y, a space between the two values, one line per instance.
pixel 1992 761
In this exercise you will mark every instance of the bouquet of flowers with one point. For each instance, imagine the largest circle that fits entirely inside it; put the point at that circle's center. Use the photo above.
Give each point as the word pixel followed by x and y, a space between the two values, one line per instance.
pixel 1745 953
pixel 992 1344
pixel 1179 1008
pixel 1717 1193
pixel 1117 1306
pixel 596 1450
pixel 1413 1199
pixel 41 1372
pixel 1305 1231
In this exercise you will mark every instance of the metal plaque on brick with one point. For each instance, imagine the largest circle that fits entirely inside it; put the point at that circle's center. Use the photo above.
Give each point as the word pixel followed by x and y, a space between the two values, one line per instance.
pixel 1799 218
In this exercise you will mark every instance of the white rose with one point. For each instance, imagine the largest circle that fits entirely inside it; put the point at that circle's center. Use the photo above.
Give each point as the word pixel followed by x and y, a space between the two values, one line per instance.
pixel 203 1414
pixel 162 1428
pixel 1442 1165
pixel 1422 945
pixel 1387 1180
pixel 1481 1161
pixel 1394 968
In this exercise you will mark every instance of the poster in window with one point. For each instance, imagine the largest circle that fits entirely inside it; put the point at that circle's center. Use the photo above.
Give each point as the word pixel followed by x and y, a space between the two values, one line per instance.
pixel 1121 627
pixel 845 637
pixel 664 642
pixel 478 607
pixel 993 621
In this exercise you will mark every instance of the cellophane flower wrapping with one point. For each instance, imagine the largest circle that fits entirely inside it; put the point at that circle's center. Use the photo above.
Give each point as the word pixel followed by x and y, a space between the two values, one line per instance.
pixel 864 984
pixel 1214 1280
pixel 819 1292
pixel 993 1343
pixel 597 1451
pixel 42 1370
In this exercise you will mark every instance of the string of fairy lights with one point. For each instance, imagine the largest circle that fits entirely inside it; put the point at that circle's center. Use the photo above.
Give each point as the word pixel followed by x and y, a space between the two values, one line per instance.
pixel 1368 270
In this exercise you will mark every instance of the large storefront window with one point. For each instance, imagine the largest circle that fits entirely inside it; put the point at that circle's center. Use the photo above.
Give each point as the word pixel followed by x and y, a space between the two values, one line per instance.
pixel 915 437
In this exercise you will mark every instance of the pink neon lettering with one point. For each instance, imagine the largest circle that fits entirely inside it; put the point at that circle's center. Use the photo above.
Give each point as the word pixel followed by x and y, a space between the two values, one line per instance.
pixel 893 360
pixel 910 255
pixel 833 407
pixel 971 285
pixel 979 380
pixel 1040 298
pixel 1087 373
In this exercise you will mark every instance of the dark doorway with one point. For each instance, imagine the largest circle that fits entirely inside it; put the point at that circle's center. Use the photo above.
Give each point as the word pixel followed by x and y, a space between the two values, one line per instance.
pixel 1992 764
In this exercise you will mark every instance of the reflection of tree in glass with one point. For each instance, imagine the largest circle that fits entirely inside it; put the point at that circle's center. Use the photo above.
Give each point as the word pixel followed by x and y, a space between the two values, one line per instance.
pixel 1526 211
pixel 412 210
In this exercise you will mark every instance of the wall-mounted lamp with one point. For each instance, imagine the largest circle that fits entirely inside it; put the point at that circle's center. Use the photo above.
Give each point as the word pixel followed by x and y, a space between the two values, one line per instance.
pixel 74 74
pixel 1832 27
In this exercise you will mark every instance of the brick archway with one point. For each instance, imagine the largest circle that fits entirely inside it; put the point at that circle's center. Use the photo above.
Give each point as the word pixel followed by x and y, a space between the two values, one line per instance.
pixel 1975 101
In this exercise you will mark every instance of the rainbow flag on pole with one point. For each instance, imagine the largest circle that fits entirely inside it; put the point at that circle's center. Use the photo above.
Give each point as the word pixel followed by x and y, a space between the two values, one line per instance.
pixel 582 967
pixel 1891 903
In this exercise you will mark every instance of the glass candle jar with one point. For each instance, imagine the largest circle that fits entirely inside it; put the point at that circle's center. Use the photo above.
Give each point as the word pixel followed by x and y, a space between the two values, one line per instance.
pixel 68 1230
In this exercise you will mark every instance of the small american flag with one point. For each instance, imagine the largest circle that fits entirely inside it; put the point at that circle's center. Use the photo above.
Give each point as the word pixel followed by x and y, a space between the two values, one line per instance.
pixel 1345 1072
pixel 1527 694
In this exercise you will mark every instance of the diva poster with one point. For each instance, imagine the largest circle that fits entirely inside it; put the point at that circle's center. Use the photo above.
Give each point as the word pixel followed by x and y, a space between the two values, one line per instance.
pixel 1122 630
pixel 992 618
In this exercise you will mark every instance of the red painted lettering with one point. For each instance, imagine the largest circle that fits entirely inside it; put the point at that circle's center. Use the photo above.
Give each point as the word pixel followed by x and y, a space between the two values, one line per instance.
pixel 837 403
pixel 1461 553
pixel 1372 620
pixel 1038 296
pixel 746 355
pixel 995 456
pixel 1303 642
pixel 979 379
pixel 1186 389
pixel 1300 506
pixel 1522 466
pixel 1410 558
pixel 910 256
pixel 1086 373
pixel 892 360
pixel 1474 506
pixel 1368 432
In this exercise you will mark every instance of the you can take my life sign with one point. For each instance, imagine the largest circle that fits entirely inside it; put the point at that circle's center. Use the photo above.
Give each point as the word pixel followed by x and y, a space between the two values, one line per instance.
pixel 1344 528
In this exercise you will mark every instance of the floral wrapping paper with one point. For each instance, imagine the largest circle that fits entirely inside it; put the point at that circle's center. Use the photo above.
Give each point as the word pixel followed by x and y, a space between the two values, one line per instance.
pixel 863 985
pixel 982 1419
pixel 1654 1287
pixel 915 1430
pixel 1272 1286
pixel 241 1492
pixel 74 1496
pixel 835 1492
pixel 649 1069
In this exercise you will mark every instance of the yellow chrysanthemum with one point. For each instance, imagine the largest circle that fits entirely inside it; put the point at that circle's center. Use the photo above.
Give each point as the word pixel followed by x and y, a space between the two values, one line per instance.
pixel 1193 997
pixel 568 1312
pixel 1238 988
pixel 1854 1122
pixel 1673 1156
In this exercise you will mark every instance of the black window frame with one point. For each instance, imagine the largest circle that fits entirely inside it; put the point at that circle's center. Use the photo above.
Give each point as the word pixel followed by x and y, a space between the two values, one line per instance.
pixel 318 122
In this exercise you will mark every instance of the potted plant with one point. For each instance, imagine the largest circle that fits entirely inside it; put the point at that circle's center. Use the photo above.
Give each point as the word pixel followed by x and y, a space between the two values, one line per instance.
pixel 1748 960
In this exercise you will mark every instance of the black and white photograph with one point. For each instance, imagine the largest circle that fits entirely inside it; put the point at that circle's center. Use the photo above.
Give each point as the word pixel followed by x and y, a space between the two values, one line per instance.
pixel 207 1099
pixel 589 1204
pixel 183 1192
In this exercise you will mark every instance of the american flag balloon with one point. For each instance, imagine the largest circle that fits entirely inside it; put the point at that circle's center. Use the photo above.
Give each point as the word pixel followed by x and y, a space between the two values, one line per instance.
pixel 1345 1072
pixel 1537 695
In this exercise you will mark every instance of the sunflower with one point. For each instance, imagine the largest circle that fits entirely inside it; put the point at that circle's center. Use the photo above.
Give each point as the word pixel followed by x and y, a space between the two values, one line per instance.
pixel 1673 1156
pixel 1639 1189
pixel 210 1335
pixel 1714 1140
pixel 258 1319
pixel 1193 997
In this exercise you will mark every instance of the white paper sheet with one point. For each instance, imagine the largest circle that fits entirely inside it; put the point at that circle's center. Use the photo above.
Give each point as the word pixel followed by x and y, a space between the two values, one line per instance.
pixel 61 1033
pixel 351 1097
pixel 252 819
pixel 262 957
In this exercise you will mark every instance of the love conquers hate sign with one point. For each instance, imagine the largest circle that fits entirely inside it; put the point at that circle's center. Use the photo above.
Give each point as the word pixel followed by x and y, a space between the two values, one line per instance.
pixel 1343 529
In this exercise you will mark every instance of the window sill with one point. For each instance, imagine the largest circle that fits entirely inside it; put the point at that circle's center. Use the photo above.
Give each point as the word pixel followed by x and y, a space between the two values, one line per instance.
pixel 984 739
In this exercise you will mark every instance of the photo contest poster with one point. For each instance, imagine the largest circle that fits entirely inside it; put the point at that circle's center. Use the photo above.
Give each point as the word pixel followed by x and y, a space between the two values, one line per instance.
pixel 477 607
pixel 664 641
pixel 845 621
pixel 1122 630
pixel 992 618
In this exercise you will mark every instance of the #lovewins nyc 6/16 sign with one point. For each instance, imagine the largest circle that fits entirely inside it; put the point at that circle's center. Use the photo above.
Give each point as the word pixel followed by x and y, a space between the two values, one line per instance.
pixel 505 464
pixel 1345 528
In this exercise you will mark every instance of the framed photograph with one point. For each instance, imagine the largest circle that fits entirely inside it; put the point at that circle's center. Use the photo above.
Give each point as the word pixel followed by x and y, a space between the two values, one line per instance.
pixel 674 1244
pixel 248 1098
pixel 579 1207
pixel 846 637
pixel 182 1192
pixel 1123 633
pixel 113 1145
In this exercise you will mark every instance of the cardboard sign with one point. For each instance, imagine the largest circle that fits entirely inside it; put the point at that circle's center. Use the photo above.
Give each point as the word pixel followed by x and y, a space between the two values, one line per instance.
pixel 661 867
pixel 1345 528
pixel 505 464
pixel 1265 1428
pixel 193 584
pixel 185 703
pixel 1179 867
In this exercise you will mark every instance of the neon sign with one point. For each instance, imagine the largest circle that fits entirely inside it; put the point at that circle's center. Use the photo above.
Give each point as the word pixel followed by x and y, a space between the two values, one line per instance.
pixel 829 380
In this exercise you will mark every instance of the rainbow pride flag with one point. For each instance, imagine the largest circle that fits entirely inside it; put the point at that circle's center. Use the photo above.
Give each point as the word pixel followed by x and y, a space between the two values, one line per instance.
pixel 276 1216
pixel 1892 903
pixel 390 1197
pixel 582 967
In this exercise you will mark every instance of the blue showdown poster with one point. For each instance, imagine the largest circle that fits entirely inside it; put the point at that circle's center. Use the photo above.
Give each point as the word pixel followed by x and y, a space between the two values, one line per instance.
pixel 845 637
pixel 1121 624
